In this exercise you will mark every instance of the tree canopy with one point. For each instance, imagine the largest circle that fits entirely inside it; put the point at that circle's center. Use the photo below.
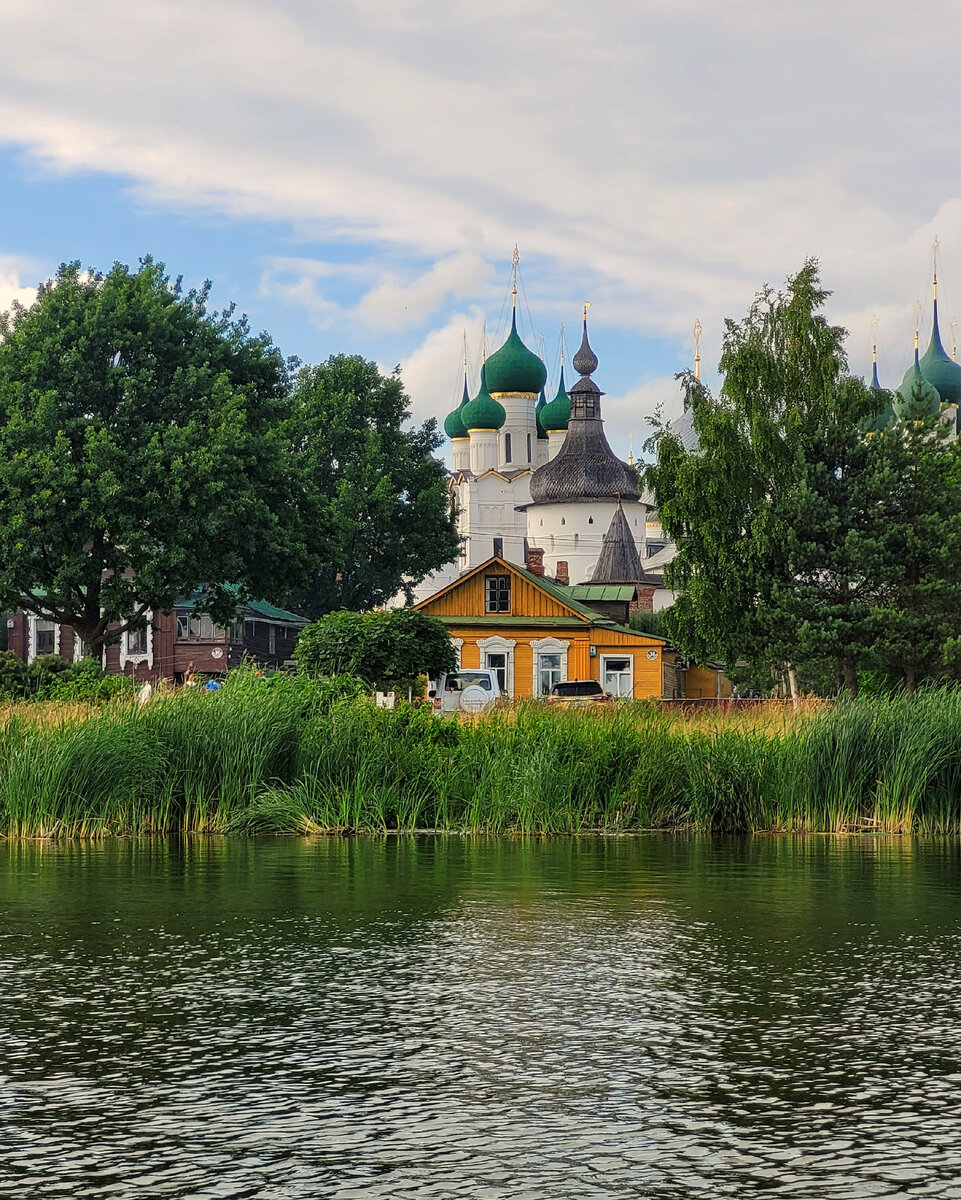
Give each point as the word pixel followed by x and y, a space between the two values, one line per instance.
pixel 806 538
pixel 144 453
pixel 388 649
pixel 375 502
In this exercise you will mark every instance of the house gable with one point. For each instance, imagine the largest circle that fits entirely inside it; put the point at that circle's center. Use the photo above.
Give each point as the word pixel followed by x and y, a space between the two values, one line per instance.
pixel 531 598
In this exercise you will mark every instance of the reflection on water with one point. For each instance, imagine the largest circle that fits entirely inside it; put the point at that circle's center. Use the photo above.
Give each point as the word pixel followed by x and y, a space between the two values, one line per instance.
pixel 657 1017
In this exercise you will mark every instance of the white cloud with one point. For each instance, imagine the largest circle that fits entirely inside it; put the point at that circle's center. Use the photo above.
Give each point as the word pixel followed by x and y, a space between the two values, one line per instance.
pixel 433 387
pixel 392 300
pixel 627 418
pixel 12 286
pixel 664 158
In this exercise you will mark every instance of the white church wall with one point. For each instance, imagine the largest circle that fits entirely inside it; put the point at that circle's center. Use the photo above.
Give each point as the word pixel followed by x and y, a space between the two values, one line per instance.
pixel 573 533
pixel 518 434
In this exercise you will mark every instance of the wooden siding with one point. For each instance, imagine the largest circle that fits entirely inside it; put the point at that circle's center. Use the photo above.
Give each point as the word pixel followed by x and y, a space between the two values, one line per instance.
pixel 466 598
pixel 581 664
pixel 705 682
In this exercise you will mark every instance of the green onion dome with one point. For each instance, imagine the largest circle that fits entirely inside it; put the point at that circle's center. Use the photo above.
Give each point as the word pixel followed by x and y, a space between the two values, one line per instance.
pixel 557 414
pixel 916 397
pixel 538 409
pixel 454 425
pixel 938 368
pixel 514 368
pixel 483 412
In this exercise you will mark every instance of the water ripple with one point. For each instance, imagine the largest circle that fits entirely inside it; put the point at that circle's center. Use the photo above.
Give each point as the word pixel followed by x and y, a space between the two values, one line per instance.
pixel 655 1017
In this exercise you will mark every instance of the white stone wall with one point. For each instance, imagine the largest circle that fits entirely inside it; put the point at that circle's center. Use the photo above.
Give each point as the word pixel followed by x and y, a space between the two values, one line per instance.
pixel 573 533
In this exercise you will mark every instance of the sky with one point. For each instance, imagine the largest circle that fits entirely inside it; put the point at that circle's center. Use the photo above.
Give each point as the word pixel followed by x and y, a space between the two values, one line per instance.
pixel 355 175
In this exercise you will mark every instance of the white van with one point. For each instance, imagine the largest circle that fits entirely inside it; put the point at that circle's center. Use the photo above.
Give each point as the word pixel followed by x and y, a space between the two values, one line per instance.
pixel 468 691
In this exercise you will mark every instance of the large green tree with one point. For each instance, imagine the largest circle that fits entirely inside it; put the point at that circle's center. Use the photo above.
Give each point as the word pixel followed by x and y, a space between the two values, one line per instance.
pixel 144 453
pixel 375 501
pixel 918 616
pixel 775 512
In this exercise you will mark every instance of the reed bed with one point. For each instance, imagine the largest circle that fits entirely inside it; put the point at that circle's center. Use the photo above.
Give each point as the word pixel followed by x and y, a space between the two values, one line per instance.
pixel 299 757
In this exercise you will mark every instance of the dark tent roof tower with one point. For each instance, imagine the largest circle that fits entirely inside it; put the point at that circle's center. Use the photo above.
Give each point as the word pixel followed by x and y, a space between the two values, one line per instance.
pixel 618 561
pixel 585 468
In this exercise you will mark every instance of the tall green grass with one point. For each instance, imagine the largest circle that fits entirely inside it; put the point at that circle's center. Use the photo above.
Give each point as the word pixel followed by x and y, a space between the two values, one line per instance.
pixel 296 756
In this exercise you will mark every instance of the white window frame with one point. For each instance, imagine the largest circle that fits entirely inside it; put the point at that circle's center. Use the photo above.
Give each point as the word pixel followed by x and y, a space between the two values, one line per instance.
pixel 140 658
pixel 32 636
pixel 605 659
pixel 499 645
pixel 458 644
pixel 547 645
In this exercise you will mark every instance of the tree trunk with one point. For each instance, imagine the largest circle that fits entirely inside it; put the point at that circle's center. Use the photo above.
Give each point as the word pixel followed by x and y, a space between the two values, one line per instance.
pixel 910 678
pixel 851 677
pixel 792 686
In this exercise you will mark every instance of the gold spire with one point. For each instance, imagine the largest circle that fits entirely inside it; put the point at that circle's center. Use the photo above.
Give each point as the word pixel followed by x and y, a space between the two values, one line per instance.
pixel 587 305
pixel 954 338
pixel 630 452
pixel 934 261
pixel 917 323
pixel 697 348
pixel 874 338
pixel 515 259
pixel 465 351
pixel 562 343
pixel 484 342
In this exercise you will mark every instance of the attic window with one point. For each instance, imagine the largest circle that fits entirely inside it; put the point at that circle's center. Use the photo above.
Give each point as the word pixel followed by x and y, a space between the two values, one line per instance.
pixel 497 593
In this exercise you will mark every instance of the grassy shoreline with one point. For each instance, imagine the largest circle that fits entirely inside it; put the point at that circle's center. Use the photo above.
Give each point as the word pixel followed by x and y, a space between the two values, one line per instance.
pixel 299 757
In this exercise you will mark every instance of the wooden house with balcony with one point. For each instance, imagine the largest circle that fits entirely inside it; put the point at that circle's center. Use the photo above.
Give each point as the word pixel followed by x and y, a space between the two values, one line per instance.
pixel 171 645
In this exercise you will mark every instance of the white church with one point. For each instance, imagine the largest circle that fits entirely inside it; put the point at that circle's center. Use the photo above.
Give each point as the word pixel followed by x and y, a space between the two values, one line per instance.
pixel 528 475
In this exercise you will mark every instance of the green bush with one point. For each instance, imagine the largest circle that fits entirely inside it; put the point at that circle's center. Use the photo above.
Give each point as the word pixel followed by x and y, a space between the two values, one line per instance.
pixel 388 649
pixel 51 677
pixel 13 677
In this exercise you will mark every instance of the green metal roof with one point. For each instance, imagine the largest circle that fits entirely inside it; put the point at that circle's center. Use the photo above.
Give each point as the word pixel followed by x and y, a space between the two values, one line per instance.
pixel 501 620
pixel 557 414
pixel 603 591
pixel 483 412
pixel 566 596
pixel 262 609
pixel 514 368
pixel 454 425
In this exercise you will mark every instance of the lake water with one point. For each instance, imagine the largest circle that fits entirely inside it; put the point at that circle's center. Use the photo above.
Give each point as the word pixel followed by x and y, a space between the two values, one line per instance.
pixel 658 1017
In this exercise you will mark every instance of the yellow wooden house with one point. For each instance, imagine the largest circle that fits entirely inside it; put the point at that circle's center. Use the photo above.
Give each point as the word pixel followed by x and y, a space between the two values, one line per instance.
pixel 535 632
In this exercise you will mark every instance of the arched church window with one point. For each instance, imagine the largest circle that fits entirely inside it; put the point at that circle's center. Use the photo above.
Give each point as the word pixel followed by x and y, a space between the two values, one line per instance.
pixel 590 520
pixel 507 447
pixel 563 521
pixel 528 447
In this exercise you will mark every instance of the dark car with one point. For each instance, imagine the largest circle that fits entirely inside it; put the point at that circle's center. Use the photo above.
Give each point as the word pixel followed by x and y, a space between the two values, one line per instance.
pixel 578 691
